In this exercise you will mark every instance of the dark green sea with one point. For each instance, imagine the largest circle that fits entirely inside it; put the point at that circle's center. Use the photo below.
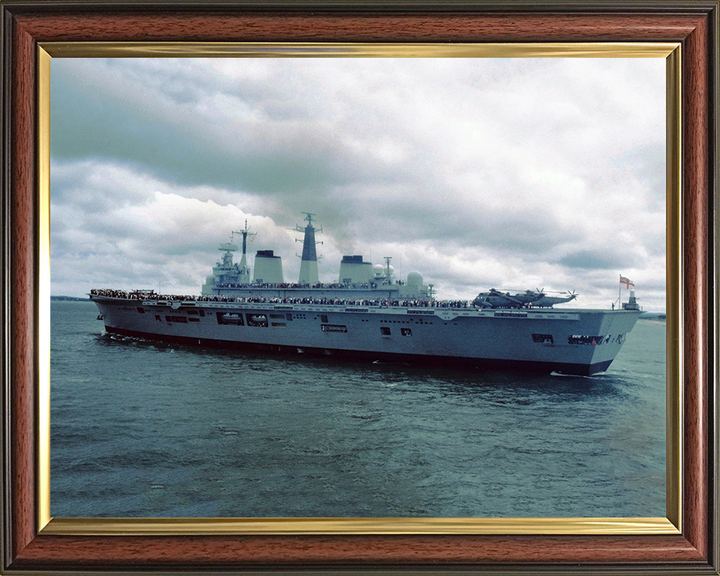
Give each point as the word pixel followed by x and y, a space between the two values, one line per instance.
pixel 143 428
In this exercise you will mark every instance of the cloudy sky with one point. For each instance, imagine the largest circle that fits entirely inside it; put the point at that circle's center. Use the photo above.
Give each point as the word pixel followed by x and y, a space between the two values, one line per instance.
pixel 478 173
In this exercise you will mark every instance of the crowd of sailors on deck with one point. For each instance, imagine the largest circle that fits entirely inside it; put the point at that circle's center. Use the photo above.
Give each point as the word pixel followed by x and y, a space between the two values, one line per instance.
pixel 381 302
pixel 316 286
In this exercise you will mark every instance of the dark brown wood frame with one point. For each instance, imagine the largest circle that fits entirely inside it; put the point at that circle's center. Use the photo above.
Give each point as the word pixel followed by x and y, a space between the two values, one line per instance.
pixel 694 24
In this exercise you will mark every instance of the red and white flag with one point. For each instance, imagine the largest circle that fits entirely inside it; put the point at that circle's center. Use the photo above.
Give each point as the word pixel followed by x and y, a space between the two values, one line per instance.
pixel 627 282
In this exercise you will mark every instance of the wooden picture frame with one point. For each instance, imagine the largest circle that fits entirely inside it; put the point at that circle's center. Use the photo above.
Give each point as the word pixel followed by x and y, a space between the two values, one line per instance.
pixel 28 547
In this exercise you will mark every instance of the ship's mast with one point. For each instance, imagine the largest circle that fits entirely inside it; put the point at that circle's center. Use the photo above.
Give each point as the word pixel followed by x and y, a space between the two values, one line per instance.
pixel 308 264
pixel 387 268
pixel 245 234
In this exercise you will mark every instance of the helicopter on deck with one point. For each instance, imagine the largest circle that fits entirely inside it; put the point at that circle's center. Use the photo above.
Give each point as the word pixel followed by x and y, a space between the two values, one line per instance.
pixel 530 298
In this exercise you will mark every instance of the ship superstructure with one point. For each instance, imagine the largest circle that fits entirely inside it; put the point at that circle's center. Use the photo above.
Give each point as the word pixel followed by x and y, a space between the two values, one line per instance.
pixel 370 314
pixel 357 278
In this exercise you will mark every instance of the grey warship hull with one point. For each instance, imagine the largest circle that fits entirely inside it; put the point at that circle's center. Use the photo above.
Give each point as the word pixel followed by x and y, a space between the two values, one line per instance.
pixel 571 341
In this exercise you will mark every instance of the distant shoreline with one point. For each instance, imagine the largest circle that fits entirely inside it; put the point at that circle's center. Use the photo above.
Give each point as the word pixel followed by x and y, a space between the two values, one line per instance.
pixel 68 299
pixel 653 321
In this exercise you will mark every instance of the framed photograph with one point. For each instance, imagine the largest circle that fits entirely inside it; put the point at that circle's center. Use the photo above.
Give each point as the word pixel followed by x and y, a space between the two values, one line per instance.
pixel 149 128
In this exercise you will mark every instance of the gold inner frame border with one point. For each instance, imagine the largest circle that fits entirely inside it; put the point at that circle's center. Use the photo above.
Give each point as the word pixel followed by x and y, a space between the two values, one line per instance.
pixel 671 524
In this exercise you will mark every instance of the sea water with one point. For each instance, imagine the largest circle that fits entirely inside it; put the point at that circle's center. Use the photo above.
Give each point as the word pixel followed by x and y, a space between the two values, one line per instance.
pixel 141 428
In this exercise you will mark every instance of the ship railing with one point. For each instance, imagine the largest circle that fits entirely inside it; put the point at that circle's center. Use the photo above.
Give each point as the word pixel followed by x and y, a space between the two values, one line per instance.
pixel 290 286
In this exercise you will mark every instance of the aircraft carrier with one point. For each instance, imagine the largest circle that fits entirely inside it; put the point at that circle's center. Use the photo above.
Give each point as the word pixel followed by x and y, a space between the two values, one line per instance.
pixel 369 314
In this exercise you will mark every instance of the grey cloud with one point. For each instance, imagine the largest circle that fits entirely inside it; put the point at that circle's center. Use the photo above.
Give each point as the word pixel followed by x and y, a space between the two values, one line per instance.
pixel 84 126
pixel 285 157
pixel 597 260
pixel 503 230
